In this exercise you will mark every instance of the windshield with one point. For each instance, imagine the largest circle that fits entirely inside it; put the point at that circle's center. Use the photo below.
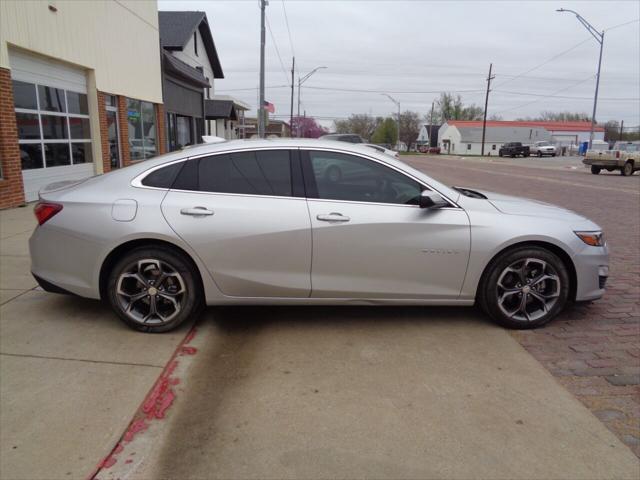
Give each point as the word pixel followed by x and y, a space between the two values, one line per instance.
pixel 544 144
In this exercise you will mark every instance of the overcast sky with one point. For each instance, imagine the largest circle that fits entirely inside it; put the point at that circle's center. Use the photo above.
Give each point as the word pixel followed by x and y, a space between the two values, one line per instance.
pixel 414 49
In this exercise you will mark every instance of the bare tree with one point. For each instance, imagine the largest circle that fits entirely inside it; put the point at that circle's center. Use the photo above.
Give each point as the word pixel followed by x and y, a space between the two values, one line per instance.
pixel 410 123
pixel 361 124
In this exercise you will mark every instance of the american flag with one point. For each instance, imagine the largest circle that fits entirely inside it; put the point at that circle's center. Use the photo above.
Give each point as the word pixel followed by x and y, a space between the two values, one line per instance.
pixel 269 107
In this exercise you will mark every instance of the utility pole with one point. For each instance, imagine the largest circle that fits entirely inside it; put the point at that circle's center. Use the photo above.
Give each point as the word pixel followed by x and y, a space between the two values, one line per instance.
pixel 293 67
pixel 486 104
pixel 621 130
pixel 431 125
pixel 261 110
pixel 398 105
pixel 599 36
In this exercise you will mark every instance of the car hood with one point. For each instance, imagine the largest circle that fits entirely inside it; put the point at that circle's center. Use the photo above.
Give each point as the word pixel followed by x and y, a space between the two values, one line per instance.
pixel 511 205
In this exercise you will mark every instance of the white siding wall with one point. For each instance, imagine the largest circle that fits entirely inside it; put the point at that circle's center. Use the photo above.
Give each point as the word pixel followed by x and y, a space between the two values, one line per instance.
pixel 118 40
pixel 188 56
pixel 451 133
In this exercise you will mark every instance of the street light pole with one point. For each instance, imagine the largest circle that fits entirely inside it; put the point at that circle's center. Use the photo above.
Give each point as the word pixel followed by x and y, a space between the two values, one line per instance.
pixel 398 105
pixel 261 126
pixel 300 82
pixel 599 36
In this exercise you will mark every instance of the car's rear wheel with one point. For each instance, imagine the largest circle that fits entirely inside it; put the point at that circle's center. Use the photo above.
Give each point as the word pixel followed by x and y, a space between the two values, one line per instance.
pixel 539 154
pixel 154 289
pixel 595 170
pixel 524 288
pixel 627 169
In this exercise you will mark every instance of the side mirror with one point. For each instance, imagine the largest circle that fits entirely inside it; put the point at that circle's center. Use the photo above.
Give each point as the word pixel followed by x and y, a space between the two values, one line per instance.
pixel 432 200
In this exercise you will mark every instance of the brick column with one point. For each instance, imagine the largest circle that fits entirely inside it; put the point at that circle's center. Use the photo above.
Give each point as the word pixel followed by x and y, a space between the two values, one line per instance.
pixel 11 187
pixel 161 129
pixel 104 132
pixel 124 130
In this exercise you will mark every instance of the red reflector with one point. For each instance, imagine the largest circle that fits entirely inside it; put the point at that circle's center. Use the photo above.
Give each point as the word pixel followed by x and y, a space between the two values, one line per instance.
pixel 44 211
pixel 618 154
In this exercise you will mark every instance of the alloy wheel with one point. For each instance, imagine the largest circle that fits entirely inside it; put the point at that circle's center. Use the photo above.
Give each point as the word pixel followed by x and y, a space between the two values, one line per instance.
pixel 528 289
pixel 150 292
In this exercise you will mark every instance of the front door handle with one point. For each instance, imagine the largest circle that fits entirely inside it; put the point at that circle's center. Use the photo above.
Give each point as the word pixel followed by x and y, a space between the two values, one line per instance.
pixel 333 217
pixel 196 211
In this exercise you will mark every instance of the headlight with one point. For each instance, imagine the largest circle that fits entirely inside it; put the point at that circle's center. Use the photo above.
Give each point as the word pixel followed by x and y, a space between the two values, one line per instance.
pixel 595 239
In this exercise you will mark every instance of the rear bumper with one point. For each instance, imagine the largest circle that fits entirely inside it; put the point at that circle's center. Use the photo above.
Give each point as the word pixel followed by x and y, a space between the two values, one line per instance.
pixel 50 287
pixel 600 162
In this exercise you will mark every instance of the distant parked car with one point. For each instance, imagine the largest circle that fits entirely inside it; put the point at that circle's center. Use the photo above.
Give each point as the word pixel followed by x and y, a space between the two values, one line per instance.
pixel 625 156
pixel 513 149
pixel 543 148
pixel 343 137
pixel 428 149
pixel 381 149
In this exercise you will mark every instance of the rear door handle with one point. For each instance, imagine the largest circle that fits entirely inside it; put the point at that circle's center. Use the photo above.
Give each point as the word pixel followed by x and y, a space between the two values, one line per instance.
pixel 196 211
pixel 333 217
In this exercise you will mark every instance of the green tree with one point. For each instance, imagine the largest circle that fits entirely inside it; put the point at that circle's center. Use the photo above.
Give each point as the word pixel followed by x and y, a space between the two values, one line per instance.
pixel 387 132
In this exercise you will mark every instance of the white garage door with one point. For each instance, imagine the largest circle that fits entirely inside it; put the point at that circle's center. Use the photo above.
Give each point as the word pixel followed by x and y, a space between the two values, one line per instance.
pixel 53 121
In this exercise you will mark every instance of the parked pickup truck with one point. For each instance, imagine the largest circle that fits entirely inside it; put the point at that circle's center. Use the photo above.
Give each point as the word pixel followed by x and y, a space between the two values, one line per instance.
pixel 513 149
pixel 543 148
pixel 625 156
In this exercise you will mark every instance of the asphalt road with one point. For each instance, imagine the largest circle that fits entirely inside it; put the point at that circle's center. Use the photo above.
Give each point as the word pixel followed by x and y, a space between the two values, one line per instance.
pixel 399 392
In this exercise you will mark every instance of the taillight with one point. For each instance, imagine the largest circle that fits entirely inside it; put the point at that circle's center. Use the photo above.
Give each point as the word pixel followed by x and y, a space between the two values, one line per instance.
pixel 45 210
pixel 618 154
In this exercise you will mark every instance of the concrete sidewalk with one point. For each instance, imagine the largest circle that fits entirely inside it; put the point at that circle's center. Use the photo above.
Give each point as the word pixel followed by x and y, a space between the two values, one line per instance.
pixel 373 392
pixel 71 373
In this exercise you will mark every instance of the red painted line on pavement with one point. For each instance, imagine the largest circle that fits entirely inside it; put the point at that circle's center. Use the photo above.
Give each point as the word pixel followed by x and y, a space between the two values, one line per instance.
pixel 153 407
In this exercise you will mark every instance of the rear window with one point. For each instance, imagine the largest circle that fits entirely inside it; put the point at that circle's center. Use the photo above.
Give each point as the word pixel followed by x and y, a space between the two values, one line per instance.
pixel 253 173
pixel 163 177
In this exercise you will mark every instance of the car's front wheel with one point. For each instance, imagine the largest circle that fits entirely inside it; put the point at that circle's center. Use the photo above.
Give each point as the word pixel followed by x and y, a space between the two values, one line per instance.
pixel 524 288
pixel 627 169
pixel 595 169
pixel 154 289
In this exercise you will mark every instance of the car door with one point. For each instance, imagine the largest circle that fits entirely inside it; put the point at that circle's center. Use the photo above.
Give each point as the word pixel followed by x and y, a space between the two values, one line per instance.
pixel 245 215
pixel 370 237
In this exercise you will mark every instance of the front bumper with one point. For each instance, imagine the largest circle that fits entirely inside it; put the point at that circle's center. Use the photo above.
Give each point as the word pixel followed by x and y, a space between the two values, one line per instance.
pixel 592 272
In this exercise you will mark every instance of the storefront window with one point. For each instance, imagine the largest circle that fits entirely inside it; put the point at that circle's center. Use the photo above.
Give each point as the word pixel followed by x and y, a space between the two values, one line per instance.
pixel 53 126
pixel 141 119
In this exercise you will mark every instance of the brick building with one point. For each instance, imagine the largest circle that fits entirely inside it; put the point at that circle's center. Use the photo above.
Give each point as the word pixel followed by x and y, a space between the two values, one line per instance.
pixel 80 91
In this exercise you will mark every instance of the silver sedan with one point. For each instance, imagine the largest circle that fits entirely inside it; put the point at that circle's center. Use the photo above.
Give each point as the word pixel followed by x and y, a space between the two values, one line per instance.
pixel 306 222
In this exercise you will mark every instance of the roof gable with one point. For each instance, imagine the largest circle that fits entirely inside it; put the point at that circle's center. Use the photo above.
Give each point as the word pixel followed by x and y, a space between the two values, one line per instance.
pixel 177 28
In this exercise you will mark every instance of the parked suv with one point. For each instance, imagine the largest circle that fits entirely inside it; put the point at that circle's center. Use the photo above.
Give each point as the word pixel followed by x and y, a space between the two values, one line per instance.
pixel 343 137
pixel 543 148
pixel 513 149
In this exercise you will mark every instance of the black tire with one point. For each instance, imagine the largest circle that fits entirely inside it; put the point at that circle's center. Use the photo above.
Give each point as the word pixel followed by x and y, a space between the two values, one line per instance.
pixel 595 169
pixel 525 155
pixel 513 155
pixel 627 169
pixel 180 275
pixel 553 154
pixel 489 291
pixel 500 153
pixel 539 154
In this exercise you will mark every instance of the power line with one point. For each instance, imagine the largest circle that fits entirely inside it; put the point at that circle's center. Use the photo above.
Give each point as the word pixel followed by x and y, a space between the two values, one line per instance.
pixel 358 90
pixel 612 99
pixel 546 61
pixel 275 45
pixel 590 77
pixel 286 21
pixel 622 24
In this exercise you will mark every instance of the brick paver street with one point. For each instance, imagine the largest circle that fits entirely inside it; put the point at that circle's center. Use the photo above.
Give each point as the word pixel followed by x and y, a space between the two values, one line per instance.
pixel 593 349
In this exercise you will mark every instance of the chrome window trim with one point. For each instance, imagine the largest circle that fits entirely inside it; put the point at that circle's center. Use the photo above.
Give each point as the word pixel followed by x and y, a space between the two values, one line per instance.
pixel 137 180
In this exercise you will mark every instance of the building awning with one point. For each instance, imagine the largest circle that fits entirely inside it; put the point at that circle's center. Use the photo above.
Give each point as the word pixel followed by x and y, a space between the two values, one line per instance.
pixel 215 109
pixel 177 68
